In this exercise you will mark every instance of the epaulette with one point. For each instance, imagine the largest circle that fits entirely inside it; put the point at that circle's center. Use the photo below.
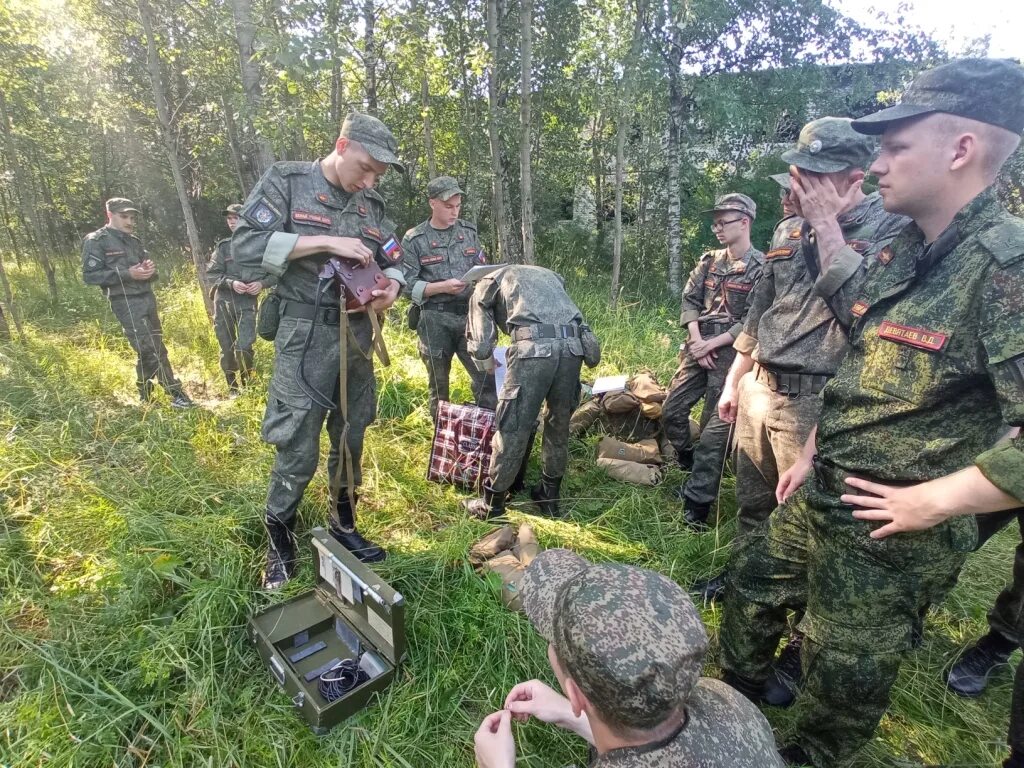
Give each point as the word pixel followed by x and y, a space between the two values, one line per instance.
pixel 416 231
pixel 467 224
pixel 96 235
pixel 1005 241
pixel 293 167
pixel 222 240
pixel 757 256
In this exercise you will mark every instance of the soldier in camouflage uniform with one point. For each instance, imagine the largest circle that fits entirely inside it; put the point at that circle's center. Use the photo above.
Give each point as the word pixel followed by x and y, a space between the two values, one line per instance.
pixel 627 646
pixel 932 377
pixel 234 308
pixel 715 303
pixel 791 338
pixel 299 215
pixel 437 253
pixel 785 225
pixel 543 366
pixel 114 259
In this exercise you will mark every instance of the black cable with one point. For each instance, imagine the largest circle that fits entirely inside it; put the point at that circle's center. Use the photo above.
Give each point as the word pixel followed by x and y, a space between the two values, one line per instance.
pixel 308 389
pixel 341 678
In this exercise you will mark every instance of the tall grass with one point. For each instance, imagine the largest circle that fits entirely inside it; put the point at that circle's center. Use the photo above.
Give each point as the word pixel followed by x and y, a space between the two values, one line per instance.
pixel 131 547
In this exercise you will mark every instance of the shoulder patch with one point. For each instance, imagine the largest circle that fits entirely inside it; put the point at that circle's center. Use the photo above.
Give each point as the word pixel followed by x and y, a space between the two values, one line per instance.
pixel 1005 240
pixel 262 213
pixel 293 167
pixel 415 231
pixel 779 253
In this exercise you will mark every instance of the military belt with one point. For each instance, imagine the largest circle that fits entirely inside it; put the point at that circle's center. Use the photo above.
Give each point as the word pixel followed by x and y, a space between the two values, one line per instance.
pixel 790 383
pixel 303 311
pixel 715 327
pixel 454 307
pixel 831 478
pixel 545 331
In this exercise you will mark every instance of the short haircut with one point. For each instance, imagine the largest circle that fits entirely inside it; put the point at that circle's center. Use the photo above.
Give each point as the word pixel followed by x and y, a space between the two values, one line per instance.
pixel 995 144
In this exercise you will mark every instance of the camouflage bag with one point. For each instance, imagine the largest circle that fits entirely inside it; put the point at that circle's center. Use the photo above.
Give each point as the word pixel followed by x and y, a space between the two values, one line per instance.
pixel 642 452
pixel 632 472
pixel 591 347
pixel 269 316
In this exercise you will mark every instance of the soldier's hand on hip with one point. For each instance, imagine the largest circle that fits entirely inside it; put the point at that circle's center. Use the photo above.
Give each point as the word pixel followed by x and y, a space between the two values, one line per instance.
pixel 384 297
pixel 351 248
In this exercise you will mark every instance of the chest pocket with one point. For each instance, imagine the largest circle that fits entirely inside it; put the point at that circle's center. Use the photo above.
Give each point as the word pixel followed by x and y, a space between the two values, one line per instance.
pixel 312 220
pixel 737 293
pixel 906 362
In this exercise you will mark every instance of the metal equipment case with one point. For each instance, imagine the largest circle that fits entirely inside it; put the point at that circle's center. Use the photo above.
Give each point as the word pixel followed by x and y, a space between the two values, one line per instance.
pixel 351 611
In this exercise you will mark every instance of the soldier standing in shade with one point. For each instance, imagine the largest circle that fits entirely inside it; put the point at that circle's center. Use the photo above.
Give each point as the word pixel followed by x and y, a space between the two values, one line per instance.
pixel 792 340
pixel 626 646
pixel 437 253
pixel 234 308
pixel 114 259
pixel 715 303
pixel 785 224
pixel 298 216
pixel 932 377
pixel 543 366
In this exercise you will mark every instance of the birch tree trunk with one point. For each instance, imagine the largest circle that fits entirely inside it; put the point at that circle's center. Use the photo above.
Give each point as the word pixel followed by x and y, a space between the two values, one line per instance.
pixel 525 128
pixel 245 35
pixel 673 129
pixel 166 131
pixel 497 175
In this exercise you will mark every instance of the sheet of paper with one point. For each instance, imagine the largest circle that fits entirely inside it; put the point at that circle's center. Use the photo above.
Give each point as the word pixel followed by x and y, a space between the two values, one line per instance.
pixel 605 384
pixel 481 270
pixel 499 367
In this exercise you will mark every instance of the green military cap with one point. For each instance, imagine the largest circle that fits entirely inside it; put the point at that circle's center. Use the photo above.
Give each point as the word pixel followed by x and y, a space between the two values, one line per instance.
pixel 988 90
pixel 121 205
pixel 631 638
pixel 375 137
pixel 830 144
pixel 782 179
pixel 443 187
pixel 734 201
pixel 234 208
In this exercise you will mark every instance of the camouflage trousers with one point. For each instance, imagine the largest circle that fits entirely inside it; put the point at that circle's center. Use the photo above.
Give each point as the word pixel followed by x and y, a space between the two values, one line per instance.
pixel 306 376
pixel 1008 611
pixel 629 427
pixel 234 322
pixel 537 374
pixel 770 434
pixel 141 323
pixel 862 597
pixel 689 384
pixel 442 337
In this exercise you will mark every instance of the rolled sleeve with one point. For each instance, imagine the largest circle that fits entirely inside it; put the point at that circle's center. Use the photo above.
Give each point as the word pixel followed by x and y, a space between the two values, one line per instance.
pixel 844 265
pixel 275 255
pixel 394 273
pixel 688 316
pixel 745 343
pixel 1004 468
pixel 417 291
pixel 736 330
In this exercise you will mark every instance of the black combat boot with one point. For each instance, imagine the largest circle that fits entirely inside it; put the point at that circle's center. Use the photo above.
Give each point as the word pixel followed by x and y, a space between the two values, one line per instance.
pixel 711 589
pixel 969 676
pixel 280 554
pixel 145 391
pixel 179 399
pixel 781 688
pixel 793 754
pixel 488 506
pixel 748 687
pixel 696 515
pixel 343 529
pixel 546 494
pixel 1015 759
pixel 685 459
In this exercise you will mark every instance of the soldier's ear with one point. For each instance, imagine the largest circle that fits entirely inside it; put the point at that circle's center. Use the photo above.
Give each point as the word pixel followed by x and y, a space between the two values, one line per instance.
pixel 577 699
pixel 341 144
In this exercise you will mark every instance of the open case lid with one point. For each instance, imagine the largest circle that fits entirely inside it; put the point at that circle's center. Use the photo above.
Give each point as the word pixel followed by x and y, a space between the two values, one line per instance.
pixel 360 596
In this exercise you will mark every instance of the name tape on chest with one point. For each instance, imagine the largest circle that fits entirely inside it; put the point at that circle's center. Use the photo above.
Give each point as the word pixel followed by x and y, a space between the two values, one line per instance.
pixel 779 253
pixel 432 258
pixel 736 285
pixel 921 338
pixel 114 253
pixel 308 217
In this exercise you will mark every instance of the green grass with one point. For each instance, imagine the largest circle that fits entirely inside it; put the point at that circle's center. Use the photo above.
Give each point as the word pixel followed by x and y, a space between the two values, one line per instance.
pixel 131 548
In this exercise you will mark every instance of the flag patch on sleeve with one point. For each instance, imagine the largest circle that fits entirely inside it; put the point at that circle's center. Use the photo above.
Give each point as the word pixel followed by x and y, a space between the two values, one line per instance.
pixel 392 250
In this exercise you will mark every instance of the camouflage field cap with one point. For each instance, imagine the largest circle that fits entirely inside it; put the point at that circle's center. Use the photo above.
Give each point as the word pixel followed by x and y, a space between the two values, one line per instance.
pixel 234 208
pixel 375 137
pixel 121 205
pixel 443 188
pixel 629 637
pixel 988 90
pixel 734 201
pixel 830 144
pixel 782 179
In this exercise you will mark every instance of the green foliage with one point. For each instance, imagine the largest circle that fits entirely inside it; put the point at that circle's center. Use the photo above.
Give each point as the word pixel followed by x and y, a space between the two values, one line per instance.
pixel 131 548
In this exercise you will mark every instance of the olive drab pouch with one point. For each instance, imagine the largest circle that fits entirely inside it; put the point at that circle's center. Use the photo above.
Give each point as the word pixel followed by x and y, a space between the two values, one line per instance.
pixel 632 472
pixel 269 316
pixel 641 452
pixel 413 318
pixel 591 347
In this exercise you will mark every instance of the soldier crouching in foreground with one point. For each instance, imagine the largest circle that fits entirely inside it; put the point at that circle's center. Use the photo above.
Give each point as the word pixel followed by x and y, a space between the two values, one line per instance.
pixel 549 345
